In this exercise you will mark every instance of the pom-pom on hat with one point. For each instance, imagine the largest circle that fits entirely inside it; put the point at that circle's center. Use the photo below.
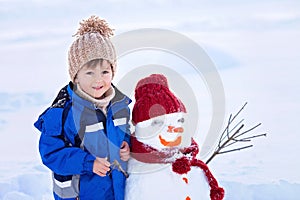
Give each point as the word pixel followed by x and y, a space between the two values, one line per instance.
pixel 153 99
pixel 93 42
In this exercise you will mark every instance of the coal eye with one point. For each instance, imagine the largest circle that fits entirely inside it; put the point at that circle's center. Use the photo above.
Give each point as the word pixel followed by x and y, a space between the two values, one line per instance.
pixel 181 120
pixel 157 123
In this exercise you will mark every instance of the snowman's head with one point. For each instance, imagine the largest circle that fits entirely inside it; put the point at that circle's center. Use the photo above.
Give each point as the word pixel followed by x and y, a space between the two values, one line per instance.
pixel 165 131
pixel 158 115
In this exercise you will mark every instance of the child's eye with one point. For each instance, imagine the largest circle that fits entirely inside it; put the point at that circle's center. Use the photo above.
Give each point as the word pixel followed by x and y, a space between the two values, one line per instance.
pixel 89 73
pixel 105 72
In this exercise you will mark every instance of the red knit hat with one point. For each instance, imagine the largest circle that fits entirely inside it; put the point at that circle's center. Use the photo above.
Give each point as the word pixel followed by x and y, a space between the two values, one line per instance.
pixel 153 98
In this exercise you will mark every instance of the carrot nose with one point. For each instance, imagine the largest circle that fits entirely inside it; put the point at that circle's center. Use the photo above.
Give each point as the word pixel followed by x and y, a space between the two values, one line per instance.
pixel 172 129
pixel 178 130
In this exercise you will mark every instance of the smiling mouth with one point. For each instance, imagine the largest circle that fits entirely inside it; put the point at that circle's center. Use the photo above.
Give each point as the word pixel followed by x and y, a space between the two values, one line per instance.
pixel 98 88
pixel 173 143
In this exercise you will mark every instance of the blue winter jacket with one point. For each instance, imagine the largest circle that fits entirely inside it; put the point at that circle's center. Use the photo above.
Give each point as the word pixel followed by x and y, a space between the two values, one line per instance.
pixel 73 133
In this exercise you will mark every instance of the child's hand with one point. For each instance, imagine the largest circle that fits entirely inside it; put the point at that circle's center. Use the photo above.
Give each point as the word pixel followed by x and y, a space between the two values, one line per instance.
pixel 101 166
pixel 125 151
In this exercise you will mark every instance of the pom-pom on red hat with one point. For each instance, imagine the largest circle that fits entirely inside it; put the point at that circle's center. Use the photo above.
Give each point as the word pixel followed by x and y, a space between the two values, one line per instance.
pixel 153 98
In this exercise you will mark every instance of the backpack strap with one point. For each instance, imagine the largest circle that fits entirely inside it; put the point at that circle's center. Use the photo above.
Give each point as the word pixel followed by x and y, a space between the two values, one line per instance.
pixel 65 187
pixel 64 117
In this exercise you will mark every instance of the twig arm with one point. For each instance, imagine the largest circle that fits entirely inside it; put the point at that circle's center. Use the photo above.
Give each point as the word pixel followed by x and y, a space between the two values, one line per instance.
pixel 233 136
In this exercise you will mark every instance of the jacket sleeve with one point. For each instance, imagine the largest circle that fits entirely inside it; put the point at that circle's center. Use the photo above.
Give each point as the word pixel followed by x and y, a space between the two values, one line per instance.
pixel 55 153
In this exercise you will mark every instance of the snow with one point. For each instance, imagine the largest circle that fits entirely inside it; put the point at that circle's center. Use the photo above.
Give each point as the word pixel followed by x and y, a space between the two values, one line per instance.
pixel 256 54
pixel 33 182
pixel 23 176
pixel 171 185
pixel 24 180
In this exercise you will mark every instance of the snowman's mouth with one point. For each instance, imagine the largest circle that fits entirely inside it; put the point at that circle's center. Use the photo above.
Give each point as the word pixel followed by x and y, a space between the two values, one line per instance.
pixel 172 143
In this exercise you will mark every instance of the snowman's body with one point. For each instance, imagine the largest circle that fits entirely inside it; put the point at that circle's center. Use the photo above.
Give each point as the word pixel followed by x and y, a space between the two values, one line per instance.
pixel 149 181
pixel 163 183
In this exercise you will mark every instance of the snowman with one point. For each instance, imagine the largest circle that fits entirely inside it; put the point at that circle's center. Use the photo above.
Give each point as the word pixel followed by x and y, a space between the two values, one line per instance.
pixel 164 163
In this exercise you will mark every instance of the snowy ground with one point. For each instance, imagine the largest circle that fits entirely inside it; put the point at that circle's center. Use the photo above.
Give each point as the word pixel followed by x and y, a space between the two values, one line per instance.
pixel 254 44
pixel 32 181
pixel 24 177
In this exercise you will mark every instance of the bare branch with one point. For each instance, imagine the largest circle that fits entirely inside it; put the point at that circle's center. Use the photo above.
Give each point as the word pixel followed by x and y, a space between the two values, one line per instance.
pixel 239 111
pixel 231 136
pixel 250 129
pixel 226 128
pixel 236 125
pixel 235 141
pixel 260 135
pixel 237 149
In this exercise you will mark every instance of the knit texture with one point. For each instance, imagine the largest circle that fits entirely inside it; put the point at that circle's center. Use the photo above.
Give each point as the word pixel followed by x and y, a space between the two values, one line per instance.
pixel 154 98
pixel 93 42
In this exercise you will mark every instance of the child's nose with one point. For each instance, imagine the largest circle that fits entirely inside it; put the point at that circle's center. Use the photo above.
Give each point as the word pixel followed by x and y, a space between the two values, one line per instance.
pixel 98 78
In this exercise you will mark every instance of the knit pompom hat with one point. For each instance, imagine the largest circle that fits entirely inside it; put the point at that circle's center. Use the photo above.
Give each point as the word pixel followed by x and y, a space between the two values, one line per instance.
pixel 154 98
pixel 93 42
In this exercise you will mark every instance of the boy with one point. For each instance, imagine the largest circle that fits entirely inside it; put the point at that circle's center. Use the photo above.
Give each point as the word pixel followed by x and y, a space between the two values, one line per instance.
pixel 85 133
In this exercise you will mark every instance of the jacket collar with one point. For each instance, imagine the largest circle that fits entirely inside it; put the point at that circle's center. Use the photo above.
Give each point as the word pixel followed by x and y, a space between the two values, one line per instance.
pixel 119 98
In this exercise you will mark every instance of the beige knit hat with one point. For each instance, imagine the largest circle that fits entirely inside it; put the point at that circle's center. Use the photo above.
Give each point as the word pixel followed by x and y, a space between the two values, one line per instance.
pixel 93 42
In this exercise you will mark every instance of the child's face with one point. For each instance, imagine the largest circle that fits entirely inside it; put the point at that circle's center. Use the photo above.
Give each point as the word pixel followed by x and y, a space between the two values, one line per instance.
pixel 95 80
